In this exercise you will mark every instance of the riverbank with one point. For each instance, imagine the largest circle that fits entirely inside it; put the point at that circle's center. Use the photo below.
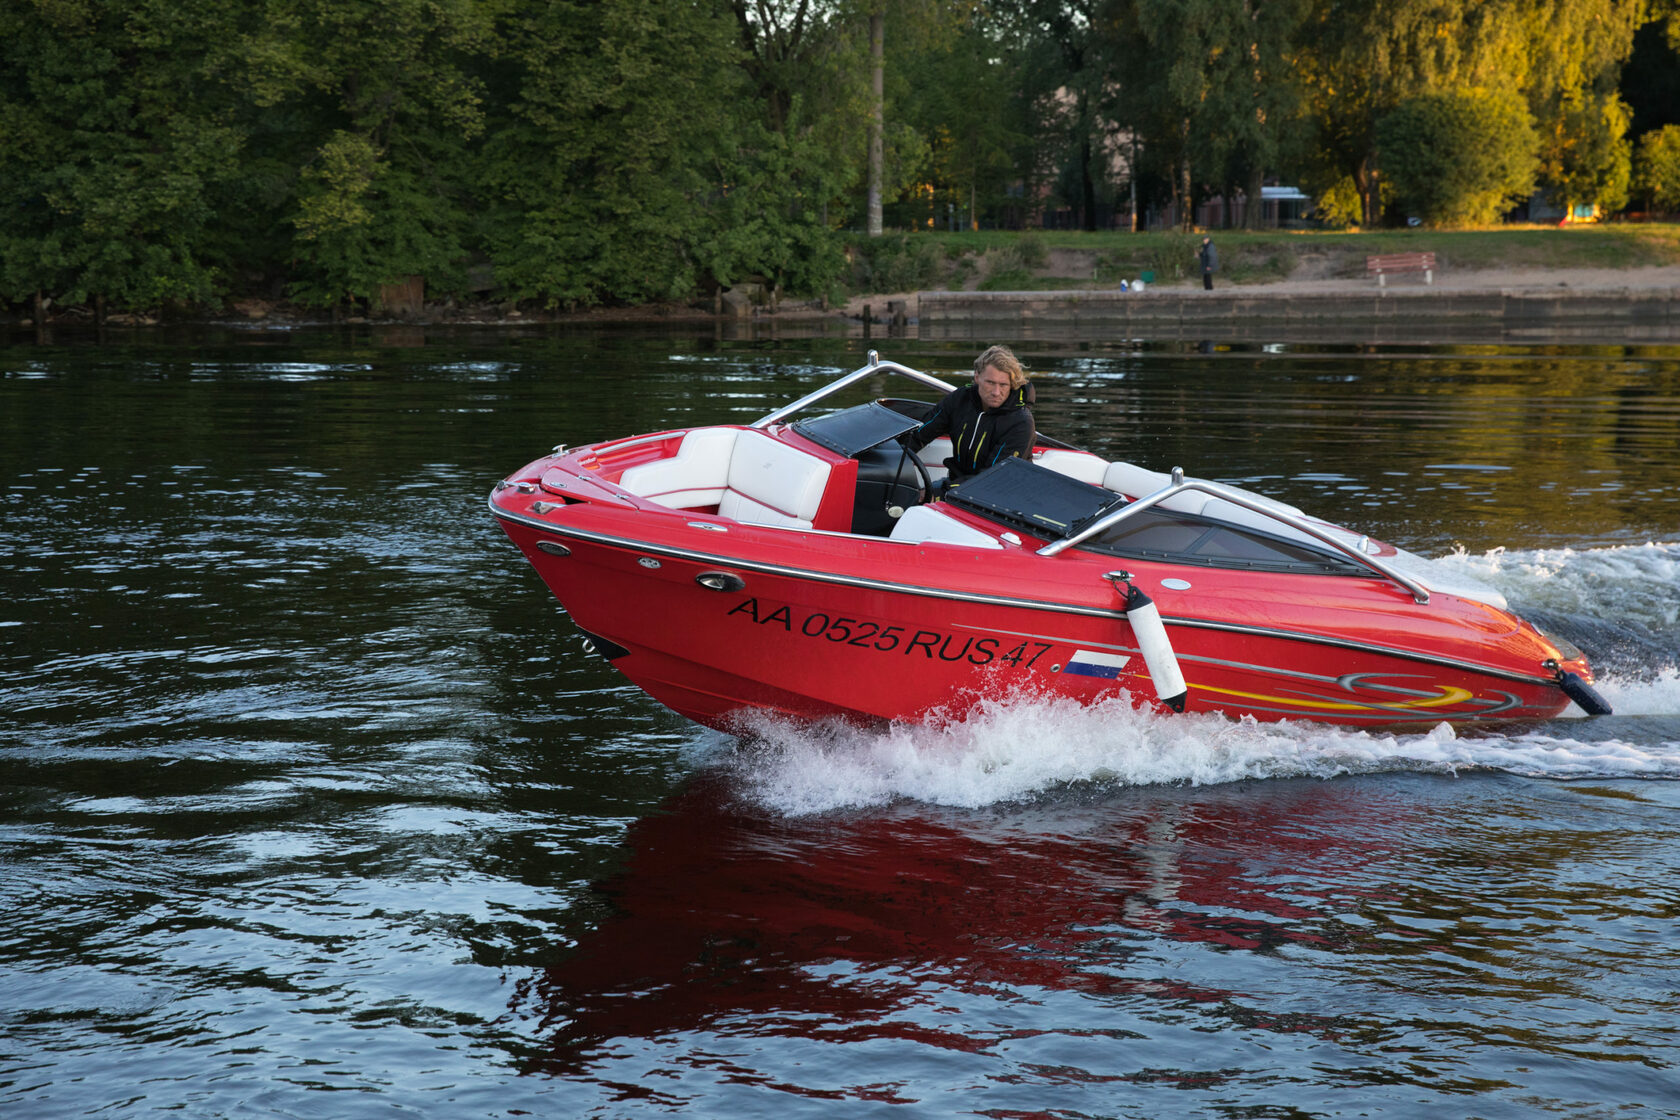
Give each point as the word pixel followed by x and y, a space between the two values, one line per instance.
pixel 1322 274
pixel 1615 282
pixel 1638 303
pixel 1527 275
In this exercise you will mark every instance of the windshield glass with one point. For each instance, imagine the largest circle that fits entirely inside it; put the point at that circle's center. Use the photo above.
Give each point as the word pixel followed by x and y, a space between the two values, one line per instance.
pixel 1180 538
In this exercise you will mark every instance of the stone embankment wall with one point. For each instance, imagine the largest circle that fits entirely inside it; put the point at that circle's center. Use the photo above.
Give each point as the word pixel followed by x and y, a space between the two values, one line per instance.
pixel 1643 313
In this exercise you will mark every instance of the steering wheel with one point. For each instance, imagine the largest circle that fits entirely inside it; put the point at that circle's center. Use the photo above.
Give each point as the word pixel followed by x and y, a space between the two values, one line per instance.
pixel 927 487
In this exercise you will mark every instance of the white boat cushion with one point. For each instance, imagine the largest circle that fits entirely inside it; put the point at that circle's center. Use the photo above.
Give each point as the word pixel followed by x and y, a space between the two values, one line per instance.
pixel 933 457
pixel 925 523
pixel 692 478
pixel 771 483
pixel 1133 481
pixel 1075 464
pixel 741 508
pixel 1137 482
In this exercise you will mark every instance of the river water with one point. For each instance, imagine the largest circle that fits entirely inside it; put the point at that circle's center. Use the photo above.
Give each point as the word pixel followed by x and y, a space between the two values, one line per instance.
pixel 312 804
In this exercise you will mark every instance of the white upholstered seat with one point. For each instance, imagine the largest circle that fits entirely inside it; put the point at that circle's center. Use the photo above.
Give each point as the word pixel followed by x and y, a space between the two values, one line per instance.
pixel 746 474
pixel 692 478
pixel 771 483
pixel 1081 465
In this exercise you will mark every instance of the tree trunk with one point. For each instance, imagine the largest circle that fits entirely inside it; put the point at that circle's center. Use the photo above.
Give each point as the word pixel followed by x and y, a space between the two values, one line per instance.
pixel 1087 187
pixel 1256 214
pixel 877 117
pixel 1186 210
pixel 1367 179
pixel 1131 179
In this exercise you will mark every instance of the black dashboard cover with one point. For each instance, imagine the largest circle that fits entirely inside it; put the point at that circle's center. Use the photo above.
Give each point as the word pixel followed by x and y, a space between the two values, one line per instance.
pixel 1036 498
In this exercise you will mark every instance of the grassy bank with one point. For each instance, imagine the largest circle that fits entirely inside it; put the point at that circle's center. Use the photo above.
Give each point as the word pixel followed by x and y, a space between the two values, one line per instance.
pixel 1056 259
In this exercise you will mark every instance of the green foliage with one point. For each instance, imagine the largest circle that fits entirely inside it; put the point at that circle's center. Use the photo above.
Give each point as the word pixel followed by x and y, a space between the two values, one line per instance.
pixel 1657 169
pixel 598 175
pixel 391 107
pixel 1341 204
pixel 1358 63
pixel 117 144
pixel 969 109
pixel 766 220
pixel 1588 157
pixel 588 151
pixel 1023 254
pixel 595 151
pixel 1459 158
pixel 642 171
pixel 1223 71
pixel 898 263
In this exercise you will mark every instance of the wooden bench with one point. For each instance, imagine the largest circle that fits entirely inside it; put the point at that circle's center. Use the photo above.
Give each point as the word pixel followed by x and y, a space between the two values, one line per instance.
pixel 1401 262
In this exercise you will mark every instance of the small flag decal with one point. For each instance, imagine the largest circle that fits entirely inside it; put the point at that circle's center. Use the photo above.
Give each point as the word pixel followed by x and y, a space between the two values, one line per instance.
pixel 1089 663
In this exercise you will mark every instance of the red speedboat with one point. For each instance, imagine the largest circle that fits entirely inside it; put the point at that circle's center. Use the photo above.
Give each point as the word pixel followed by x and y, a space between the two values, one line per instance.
pixel 805 565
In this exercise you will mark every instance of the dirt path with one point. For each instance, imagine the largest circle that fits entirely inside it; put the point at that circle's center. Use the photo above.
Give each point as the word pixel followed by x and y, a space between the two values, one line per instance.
pixel 1510 280
pixel 1598 280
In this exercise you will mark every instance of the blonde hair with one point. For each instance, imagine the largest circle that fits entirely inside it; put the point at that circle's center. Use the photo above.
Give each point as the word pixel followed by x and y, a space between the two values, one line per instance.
pixel 1002 359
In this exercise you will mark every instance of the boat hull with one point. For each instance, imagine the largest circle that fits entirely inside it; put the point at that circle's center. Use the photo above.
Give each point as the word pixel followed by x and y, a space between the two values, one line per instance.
pixel 811 570
pixel 716 623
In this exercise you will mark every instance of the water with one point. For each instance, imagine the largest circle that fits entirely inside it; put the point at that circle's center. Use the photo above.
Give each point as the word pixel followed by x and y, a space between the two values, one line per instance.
pixel 310 804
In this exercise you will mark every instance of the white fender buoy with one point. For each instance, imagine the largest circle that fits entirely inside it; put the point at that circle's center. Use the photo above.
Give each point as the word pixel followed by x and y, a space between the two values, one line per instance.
pixel 1157 650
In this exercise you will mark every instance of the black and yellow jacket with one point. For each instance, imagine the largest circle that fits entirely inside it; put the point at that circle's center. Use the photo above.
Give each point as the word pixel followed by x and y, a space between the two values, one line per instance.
pixel 980 437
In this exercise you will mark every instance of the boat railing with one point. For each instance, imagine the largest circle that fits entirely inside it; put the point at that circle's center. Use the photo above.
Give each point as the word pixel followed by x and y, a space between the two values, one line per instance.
pixel 875 366
pixel 1181 485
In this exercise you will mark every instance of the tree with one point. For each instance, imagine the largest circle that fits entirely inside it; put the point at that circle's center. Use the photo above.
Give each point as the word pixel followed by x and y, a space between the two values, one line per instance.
pixel 1064 65
pixel 1162 50
pixel 118 137
pixel 1656 176
pixel 1587 157
pixel 1459 158
pixel 621 140
pixel 767 220
pixel 1250 97
pixel 877 116
pixel 1575 50
pixel 1359 60
pixel 388 105
pixel 1363 59
pixel 814 53
pixel 963 92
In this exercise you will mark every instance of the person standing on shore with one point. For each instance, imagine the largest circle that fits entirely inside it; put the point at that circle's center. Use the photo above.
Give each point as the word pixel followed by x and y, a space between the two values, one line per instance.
pixel 1209 256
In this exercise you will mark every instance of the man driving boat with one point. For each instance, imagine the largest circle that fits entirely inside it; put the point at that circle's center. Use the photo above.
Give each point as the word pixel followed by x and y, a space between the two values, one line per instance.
pixel 988 421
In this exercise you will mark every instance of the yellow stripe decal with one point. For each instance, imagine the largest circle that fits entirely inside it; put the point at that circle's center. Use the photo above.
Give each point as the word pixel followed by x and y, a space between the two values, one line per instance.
pixel 1449 696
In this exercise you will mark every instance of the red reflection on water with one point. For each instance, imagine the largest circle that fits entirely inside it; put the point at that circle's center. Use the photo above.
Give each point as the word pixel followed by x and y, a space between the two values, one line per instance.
pixel 840 927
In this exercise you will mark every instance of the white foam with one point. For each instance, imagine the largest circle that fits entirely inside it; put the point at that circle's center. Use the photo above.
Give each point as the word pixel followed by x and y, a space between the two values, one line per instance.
pixel 1636 582
pixel 1657 696
pixel 1022 748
